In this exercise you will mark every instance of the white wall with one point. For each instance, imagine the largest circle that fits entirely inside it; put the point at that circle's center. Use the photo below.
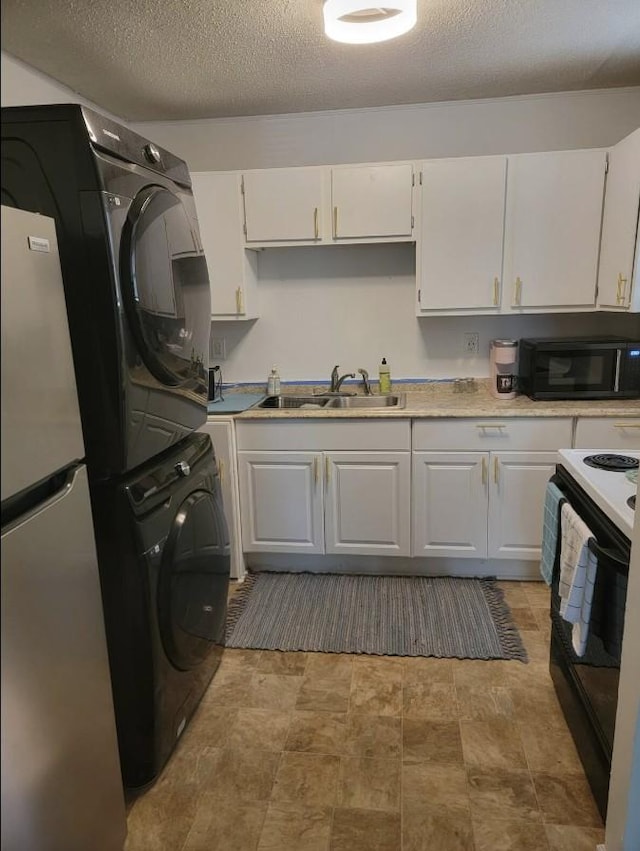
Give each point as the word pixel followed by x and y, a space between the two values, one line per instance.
pixel 353 305
pixel 459 128
pixel 623 816
pixel 22 85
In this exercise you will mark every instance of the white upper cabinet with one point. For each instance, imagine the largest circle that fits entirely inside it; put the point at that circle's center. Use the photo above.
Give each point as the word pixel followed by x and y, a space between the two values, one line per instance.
pixel 616 288
pixel 283 205
pixel 553 218
pixel 372 202
pixel 459 259
pixel 232 269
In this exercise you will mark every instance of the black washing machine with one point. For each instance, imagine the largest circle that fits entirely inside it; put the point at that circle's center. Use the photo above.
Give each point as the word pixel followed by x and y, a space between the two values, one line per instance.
pixel 165 597
pixel 138 303
pixel 134 272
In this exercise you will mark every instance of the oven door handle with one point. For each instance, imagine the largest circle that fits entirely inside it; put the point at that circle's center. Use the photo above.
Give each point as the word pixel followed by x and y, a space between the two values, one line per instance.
pixel 609 555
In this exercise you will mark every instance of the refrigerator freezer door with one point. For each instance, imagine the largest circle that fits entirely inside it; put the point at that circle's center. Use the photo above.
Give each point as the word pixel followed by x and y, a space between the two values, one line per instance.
pixel 41 430
pixel 61 784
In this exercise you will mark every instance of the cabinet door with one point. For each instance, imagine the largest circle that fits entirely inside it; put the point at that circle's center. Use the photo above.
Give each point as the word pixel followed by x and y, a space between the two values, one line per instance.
pixel 450 504
pixel 283 205
pixel 372 201
pixel 620 226
pixel 222 438
pixel 461 234
pixel 232 269
pixel 367 504
pixel 516 501
pixel 552 231
pixel 281 502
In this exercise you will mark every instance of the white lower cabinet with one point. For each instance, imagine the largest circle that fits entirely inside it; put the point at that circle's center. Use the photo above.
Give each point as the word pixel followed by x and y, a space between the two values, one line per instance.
pixel 479 504
pixel 450 504
pixel 518 481
pixel 367 503
pixel 333 502
pixel 281 502
pixel 222 434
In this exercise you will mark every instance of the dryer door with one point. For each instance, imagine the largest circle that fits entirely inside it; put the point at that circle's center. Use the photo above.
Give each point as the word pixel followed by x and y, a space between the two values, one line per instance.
pixel 194 581
pixel 165 287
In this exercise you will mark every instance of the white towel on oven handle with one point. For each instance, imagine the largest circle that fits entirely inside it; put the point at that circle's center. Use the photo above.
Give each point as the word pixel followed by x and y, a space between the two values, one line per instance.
pixel 578 566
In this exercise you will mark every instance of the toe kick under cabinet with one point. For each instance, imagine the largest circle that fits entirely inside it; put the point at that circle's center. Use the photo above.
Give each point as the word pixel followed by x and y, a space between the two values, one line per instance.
pixel 478 486
pixel 322 487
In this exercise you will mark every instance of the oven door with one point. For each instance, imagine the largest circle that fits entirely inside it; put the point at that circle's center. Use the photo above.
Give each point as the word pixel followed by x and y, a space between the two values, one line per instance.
pixel 596 674
pixel 591 372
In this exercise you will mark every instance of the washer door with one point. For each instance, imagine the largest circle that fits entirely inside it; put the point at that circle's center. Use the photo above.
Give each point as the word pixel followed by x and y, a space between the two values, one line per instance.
pixel 194 581
pixel 165 287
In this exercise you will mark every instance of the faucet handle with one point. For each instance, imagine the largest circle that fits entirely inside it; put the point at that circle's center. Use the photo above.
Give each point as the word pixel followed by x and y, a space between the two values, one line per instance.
pixel 365 381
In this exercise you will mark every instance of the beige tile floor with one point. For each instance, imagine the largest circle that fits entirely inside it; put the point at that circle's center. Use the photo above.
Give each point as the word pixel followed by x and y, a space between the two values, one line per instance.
pixel 324 752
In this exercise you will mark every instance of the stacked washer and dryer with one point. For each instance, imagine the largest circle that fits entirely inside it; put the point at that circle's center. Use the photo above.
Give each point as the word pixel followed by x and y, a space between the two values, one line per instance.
pixel 138 304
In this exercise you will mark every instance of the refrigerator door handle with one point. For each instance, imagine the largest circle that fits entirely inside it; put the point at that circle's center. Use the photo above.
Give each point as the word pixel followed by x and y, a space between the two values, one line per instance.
pixel 42 496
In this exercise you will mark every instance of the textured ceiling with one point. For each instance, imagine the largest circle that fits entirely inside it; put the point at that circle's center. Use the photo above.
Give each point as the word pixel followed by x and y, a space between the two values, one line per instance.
pixel 173 59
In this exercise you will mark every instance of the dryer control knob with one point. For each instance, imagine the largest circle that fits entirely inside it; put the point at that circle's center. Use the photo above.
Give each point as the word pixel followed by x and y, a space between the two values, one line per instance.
pixel 182 468
pixel 152 153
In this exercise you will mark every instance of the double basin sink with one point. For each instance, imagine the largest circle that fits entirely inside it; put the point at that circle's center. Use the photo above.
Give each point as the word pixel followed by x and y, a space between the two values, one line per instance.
pixel 329 402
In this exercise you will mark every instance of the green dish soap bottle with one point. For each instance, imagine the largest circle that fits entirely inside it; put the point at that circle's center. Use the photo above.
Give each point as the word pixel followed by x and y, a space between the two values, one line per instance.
pixel 384 375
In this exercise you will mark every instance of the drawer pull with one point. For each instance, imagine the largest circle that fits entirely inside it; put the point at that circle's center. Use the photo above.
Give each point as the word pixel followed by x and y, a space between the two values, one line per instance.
pixel 626 425
pixel 491 425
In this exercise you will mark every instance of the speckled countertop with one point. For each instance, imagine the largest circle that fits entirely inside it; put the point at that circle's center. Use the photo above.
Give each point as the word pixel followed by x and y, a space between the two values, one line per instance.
pixel 440 399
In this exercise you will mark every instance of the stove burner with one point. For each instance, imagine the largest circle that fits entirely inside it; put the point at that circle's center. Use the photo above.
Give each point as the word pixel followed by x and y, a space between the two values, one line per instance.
pixel 615 463
pixel 631 502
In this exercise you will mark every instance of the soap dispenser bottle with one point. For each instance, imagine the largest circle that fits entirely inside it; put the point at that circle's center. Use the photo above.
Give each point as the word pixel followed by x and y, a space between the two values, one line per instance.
pixel 384 376
pixel 273 382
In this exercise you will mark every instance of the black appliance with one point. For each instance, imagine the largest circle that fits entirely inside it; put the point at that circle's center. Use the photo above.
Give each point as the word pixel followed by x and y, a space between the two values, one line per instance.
pixel 138 304
pixel 135 277
pixel 587 686
pixel 580 368
pixel 164 539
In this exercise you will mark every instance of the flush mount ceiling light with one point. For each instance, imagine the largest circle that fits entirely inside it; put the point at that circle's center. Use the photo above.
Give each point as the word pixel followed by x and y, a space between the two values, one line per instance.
pixel 357 22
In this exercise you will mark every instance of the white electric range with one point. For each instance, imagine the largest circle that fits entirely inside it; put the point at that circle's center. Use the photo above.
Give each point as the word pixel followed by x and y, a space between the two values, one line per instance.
pixel 609 489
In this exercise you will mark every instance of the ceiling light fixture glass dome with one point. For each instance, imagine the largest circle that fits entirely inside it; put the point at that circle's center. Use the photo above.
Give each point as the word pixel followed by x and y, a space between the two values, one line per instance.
pixel 357 22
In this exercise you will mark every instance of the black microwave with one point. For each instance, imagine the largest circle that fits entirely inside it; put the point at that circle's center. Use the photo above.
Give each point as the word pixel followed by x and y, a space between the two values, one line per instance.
pixel 580 368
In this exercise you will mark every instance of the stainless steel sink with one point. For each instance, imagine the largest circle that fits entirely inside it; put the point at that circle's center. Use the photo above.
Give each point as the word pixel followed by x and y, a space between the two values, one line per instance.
pixel 370 402
pixel 294 402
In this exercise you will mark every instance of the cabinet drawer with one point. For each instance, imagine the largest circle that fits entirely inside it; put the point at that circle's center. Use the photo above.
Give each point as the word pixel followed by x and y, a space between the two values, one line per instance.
pixel 608 433
pixel 491 433
pixel 362 435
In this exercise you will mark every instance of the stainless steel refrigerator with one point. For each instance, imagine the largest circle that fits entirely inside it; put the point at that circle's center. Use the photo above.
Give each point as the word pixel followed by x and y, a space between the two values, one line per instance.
pixel 61 784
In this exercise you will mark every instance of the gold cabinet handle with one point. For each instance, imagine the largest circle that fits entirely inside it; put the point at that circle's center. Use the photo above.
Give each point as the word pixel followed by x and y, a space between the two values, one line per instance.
pixel 490 425
pixel 327 467
pixel 517 292
pixel 496 470
pixel 335 222
pixel 484 470
pixel 221 471
pixel 496 291
pixel 316 232
pixel 316 469
pixel 626 425
pixel 239 300
pixel 621 291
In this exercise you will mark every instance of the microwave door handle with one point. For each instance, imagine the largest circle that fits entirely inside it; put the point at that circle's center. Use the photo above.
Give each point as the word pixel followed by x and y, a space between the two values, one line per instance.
pixel 608 555
pixel 616 380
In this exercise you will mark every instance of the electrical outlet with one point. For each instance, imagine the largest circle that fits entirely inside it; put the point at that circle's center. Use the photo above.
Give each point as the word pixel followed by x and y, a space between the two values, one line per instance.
pixel 471 343
pixel 217 348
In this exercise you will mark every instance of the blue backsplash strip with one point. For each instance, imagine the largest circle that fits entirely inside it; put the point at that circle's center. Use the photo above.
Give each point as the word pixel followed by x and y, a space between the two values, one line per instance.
pixel 322 383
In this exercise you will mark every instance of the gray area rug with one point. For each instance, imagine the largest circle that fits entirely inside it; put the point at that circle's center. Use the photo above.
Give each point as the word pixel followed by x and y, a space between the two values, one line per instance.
pixel 381 615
